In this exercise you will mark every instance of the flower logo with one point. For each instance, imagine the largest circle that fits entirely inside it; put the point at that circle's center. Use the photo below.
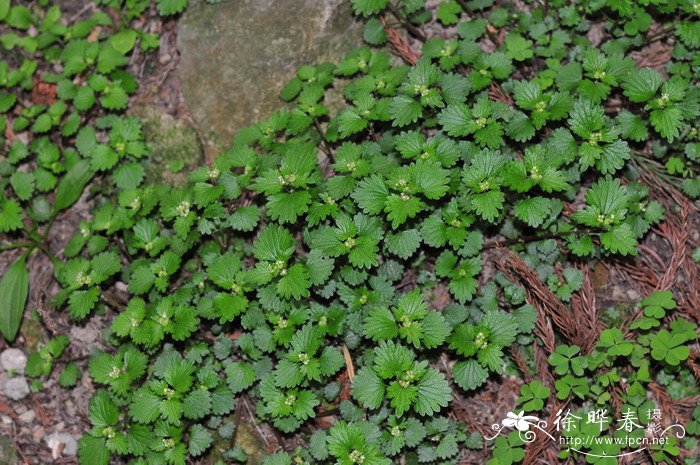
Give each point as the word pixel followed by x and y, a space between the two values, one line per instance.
pixel 519 421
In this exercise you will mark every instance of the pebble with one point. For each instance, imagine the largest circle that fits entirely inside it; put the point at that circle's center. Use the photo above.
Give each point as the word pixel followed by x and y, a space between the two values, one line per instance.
pixel 13 360
pixel 86 335
pixel 61 444
pixel 633 294
pixel 69 407
pixel 28 416
pixel 16 388
pixel 38 433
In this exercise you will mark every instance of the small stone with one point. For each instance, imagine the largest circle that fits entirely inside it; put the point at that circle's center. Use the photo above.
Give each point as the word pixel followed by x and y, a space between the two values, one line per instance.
pixel 38 433
pixel 70 409
pixel 13 360
pixel 86 335
pixel 28 416
pixel 633 294
pixel 17 388
pixel 61 444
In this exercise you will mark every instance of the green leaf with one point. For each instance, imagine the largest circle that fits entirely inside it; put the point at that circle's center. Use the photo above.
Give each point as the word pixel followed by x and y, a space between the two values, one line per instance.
pixel 469 374
pixel 23 184
pixel 245 218
pixel 368 388
pixel 373 32
pixel 667 122
pixel 124 41
pixel 278 458
pixel 197 404
pixel 371 194
pixel 171 7
pixel 295 283
pixel 368 7
pixel 448 12
pixel 518 48
pixel 666 347
pixel 69 376
pixel 4 8
pixel 433 393
pixel 93 450
pixel 614 343
pixel 82 302
pixel 14 287
pixel 239 376
pixel 620 239
pixel 19 17
pixel 533 211
pixel 404 243
pixel 656 304
pixel 488 204
pixel 533 395
pixel 71 186
pixel 10 215
pixel 404 110
pixel 200 440
pixel 641 85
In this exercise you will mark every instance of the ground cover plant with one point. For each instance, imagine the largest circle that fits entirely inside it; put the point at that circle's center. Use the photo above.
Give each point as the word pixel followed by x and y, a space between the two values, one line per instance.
pixel 359 277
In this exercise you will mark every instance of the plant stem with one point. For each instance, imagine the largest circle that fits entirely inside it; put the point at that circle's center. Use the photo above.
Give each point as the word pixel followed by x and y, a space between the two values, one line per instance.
pixel 16 245
pixel 324 144
pixel 534 238
pixel 463 4
pixel 413 30
pixel 48 226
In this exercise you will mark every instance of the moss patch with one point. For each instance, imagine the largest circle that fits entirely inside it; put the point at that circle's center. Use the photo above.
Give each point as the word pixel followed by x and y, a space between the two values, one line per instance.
pixel 175 146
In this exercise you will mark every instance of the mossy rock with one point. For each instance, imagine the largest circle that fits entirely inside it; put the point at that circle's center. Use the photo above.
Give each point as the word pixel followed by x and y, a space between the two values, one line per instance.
pixel 247 438
pixel 250 441
pixel 175 145
pixel 33 332
pixel 8 454
pixel 236 56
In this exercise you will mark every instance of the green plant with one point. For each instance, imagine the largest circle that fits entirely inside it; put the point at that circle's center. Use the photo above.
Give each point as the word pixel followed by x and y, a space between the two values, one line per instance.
pixel 341 261
pixel 52 121
pixel 41 362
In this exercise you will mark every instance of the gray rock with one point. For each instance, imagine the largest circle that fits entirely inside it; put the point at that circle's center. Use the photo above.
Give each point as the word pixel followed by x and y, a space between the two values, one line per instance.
pixel 236 56
pixel 16 388
pixel 85 335
pixel 61 444
pixel 13 360
pixel 8 454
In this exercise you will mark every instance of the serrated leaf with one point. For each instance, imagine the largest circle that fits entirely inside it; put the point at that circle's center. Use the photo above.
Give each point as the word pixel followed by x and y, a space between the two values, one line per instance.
pixel 368 388
pixel 200 440
pixel 469 374
pixel 433 393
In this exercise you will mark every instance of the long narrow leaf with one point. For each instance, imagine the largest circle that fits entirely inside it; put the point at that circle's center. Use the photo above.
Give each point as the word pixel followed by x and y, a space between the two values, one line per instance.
pixel 72 185
pixel 14 287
